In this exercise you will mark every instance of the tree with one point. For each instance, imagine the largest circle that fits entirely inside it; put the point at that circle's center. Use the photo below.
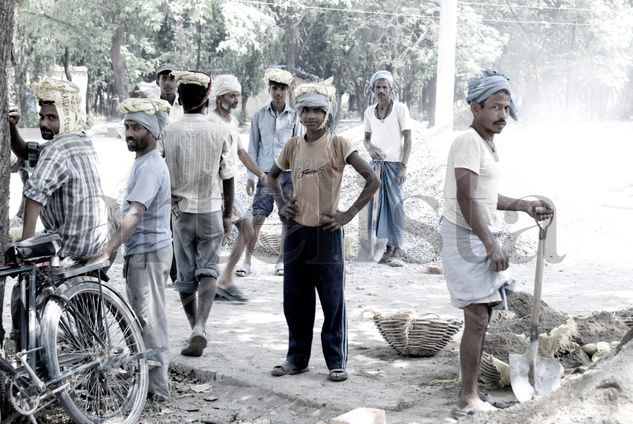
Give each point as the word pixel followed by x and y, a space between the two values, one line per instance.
pixel 7 16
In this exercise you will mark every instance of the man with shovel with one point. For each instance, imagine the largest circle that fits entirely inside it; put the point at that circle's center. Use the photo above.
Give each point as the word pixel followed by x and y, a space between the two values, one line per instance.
pixel 473 260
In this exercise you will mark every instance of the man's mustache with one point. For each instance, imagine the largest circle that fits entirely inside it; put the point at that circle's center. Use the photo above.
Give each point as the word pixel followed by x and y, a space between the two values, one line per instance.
pixel 500 121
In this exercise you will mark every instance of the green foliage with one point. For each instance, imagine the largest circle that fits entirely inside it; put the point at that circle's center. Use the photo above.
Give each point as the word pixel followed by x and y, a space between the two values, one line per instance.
pixel 551 49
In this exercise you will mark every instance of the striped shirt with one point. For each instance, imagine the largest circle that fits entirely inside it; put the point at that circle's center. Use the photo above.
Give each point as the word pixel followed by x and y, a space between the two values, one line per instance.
pixel 198 155
pixel 66 183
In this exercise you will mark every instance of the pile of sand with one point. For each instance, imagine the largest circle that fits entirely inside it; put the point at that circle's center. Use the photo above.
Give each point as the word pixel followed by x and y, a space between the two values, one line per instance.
pixel 604 394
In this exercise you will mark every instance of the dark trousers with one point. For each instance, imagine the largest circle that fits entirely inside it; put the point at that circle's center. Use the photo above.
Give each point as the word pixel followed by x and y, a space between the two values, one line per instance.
pixel 313 259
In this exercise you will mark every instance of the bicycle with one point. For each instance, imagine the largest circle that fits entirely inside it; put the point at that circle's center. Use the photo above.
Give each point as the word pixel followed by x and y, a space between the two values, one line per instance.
pixel 79 341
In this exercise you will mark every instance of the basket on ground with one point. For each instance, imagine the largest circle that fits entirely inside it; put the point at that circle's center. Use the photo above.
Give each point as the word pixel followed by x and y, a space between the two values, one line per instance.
pixel 416 336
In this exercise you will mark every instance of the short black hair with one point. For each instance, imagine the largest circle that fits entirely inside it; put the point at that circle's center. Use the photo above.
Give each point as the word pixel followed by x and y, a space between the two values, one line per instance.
pixel 192 96
pixel 281 84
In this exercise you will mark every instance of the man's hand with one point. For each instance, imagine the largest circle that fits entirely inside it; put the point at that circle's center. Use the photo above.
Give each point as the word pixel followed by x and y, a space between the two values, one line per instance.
pixel 375 152
pixel 226 223
pixel 175 209
pixel 263 180
pixel 498 259
pixel 540 209
pixel 250 187
pixel 102 255
pixel 290 209
pixel 336 221
pixel 14 116
pixel 402 174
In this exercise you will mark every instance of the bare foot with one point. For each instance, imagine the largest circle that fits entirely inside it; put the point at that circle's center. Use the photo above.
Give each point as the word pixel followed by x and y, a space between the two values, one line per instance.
pixel 475 406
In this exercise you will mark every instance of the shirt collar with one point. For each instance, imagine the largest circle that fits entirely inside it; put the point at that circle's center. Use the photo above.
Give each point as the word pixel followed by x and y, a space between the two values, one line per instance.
pixel 286 108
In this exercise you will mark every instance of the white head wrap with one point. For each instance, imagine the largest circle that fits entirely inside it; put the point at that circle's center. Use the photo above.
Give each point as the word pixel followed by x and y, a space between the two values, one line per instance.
pixel 188 77
pixel 386 75
pixel 318 94
pixel 151 113
pixel 67 100
pixel 278 75
pixel 225 83
pixel 382 75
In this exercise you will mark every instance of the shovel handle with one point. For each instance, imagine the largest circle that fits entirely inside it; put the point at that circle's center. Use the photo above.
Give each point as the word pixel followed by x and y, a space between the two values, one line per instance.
pixel 543 225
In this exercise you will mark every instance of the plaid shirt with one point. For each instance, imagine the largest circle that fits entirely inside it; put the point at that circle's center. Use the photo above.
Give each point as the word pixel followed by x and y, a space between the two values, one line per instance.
pixel 66 182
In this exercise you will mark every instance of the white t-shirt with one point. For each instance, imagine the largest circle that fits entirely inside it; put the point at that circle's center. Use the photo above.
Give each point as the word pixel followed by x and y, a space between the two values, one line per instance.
pixel 470 151
pixel 387 134
pixel 233 126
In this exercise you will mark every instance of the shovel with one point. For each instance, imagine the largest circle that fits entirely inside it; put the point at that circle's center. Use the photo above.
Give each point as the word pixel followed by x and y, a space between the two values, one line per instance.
pixel 371 248
pixel 531 375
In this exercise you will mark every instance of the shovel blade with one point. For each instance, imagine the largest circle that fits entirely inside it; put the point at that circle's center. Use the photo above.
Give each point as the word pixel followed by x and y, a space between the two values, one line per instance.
pixel 546 376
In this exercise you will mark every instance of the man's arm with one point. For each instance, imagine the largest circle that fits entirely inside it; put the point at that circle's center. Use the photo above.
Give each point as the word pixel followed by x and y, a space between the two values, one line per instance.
pixel 471 210
pixel 533 208
pixel 31 212
pixel 375 152
pixel 18 145
pixel 228 191
pixel 289 209
pixel 250 164
pixel 254 140
pixel 125 230
pixel 372 183
pixel 406 152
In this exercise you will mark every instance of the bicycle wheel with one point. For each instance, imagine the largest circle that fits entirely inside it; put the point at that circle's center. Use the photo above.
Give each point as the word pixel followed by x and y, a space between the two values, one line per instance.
pixel 102 335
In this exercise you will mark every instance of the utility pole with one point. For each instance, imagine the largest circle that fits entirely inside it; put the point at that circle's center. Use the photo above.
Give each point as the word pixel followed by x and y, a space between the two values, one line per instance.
pixel 445 88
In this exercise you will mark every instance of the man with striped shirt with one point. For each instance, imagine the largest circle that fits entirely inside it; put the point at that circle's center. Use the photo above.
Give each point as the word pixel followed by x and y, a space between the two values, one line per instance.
pixel 197 153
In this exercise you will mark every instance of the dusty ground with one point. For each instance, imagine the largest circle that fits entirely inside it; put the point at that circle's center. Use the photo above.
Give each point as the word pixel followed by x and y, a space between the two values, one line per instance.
pixel 594 195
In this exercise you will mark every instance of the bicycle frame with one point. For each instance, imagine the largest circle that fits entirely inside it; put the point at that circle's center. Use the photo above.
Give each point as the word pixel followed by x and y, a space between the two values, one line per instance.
pixel 29 345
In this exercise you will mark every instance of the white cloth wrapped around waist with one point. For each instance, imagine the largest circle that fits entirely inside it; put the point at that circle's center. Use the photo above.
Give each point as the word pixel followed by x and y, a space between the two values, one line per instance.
pixel 467 269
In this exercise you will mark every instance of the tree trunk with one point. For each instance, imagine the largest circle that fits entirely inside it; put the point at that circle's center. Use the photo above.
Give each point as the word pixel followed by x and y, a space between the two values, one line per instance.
pixel 7 20
pixel 69 77
pixel 291 45
pixel 118 65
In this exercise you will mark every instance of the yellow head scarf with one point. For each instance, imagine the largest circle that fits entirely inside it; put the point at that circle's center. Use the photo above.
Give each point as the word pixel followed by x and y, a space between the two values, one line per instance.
pixel 67 100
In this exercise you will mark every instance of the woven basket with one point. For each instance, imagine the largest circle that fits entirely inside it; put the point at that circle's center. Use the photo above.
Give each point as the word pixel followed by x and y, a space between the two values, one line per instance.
pixel 416 336
pixel 493 372
pixel 270 243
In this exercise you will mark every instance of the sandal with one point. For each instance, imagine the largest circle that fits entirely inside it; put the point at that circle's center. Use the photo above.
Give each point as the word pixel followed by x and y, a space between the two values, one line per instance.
pixel 338 374
pixel 498 403
pixel 230 293
pixel 287 368
pixel 396 261
pixel 244 271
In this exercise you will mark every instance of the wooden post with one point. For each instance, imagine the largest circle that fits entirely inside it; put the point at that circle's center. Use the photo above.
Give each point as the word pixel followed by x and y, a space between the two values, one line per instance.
pixel 445 92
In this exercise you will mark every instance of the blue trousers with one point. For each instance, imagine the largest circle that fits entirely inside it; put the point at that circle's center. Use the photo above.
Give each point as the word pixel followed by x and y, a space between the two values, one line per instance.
pixel 314 262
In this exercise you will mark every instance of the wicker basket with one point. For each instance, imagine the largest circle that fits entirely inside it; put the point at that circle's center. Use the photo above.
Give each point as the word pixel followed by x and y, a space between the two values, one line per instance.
pixel 270 243
pixel 416 336
pixel 493 372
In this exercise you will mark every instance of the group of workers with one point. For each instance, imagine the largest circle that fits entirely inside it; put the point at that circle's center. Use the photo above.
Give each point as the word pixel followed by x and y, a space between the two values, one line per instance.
pixel 180 203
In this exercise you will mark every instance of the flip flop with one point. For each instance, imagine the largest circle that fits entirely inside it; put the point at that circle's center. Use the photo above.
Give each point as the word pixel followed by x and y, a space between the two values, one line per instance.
pixel 231 293
pixel 287 368
pixel 386 258
pixel 396 262
pixel 244 271
pixel 498 403
pixel 461 413
pixel 337 375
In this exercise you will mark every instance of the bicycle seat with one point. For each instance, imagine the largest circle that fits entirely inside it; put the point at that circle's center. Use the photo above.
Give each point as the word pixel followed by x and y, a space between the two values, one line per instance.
pixel 39 248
